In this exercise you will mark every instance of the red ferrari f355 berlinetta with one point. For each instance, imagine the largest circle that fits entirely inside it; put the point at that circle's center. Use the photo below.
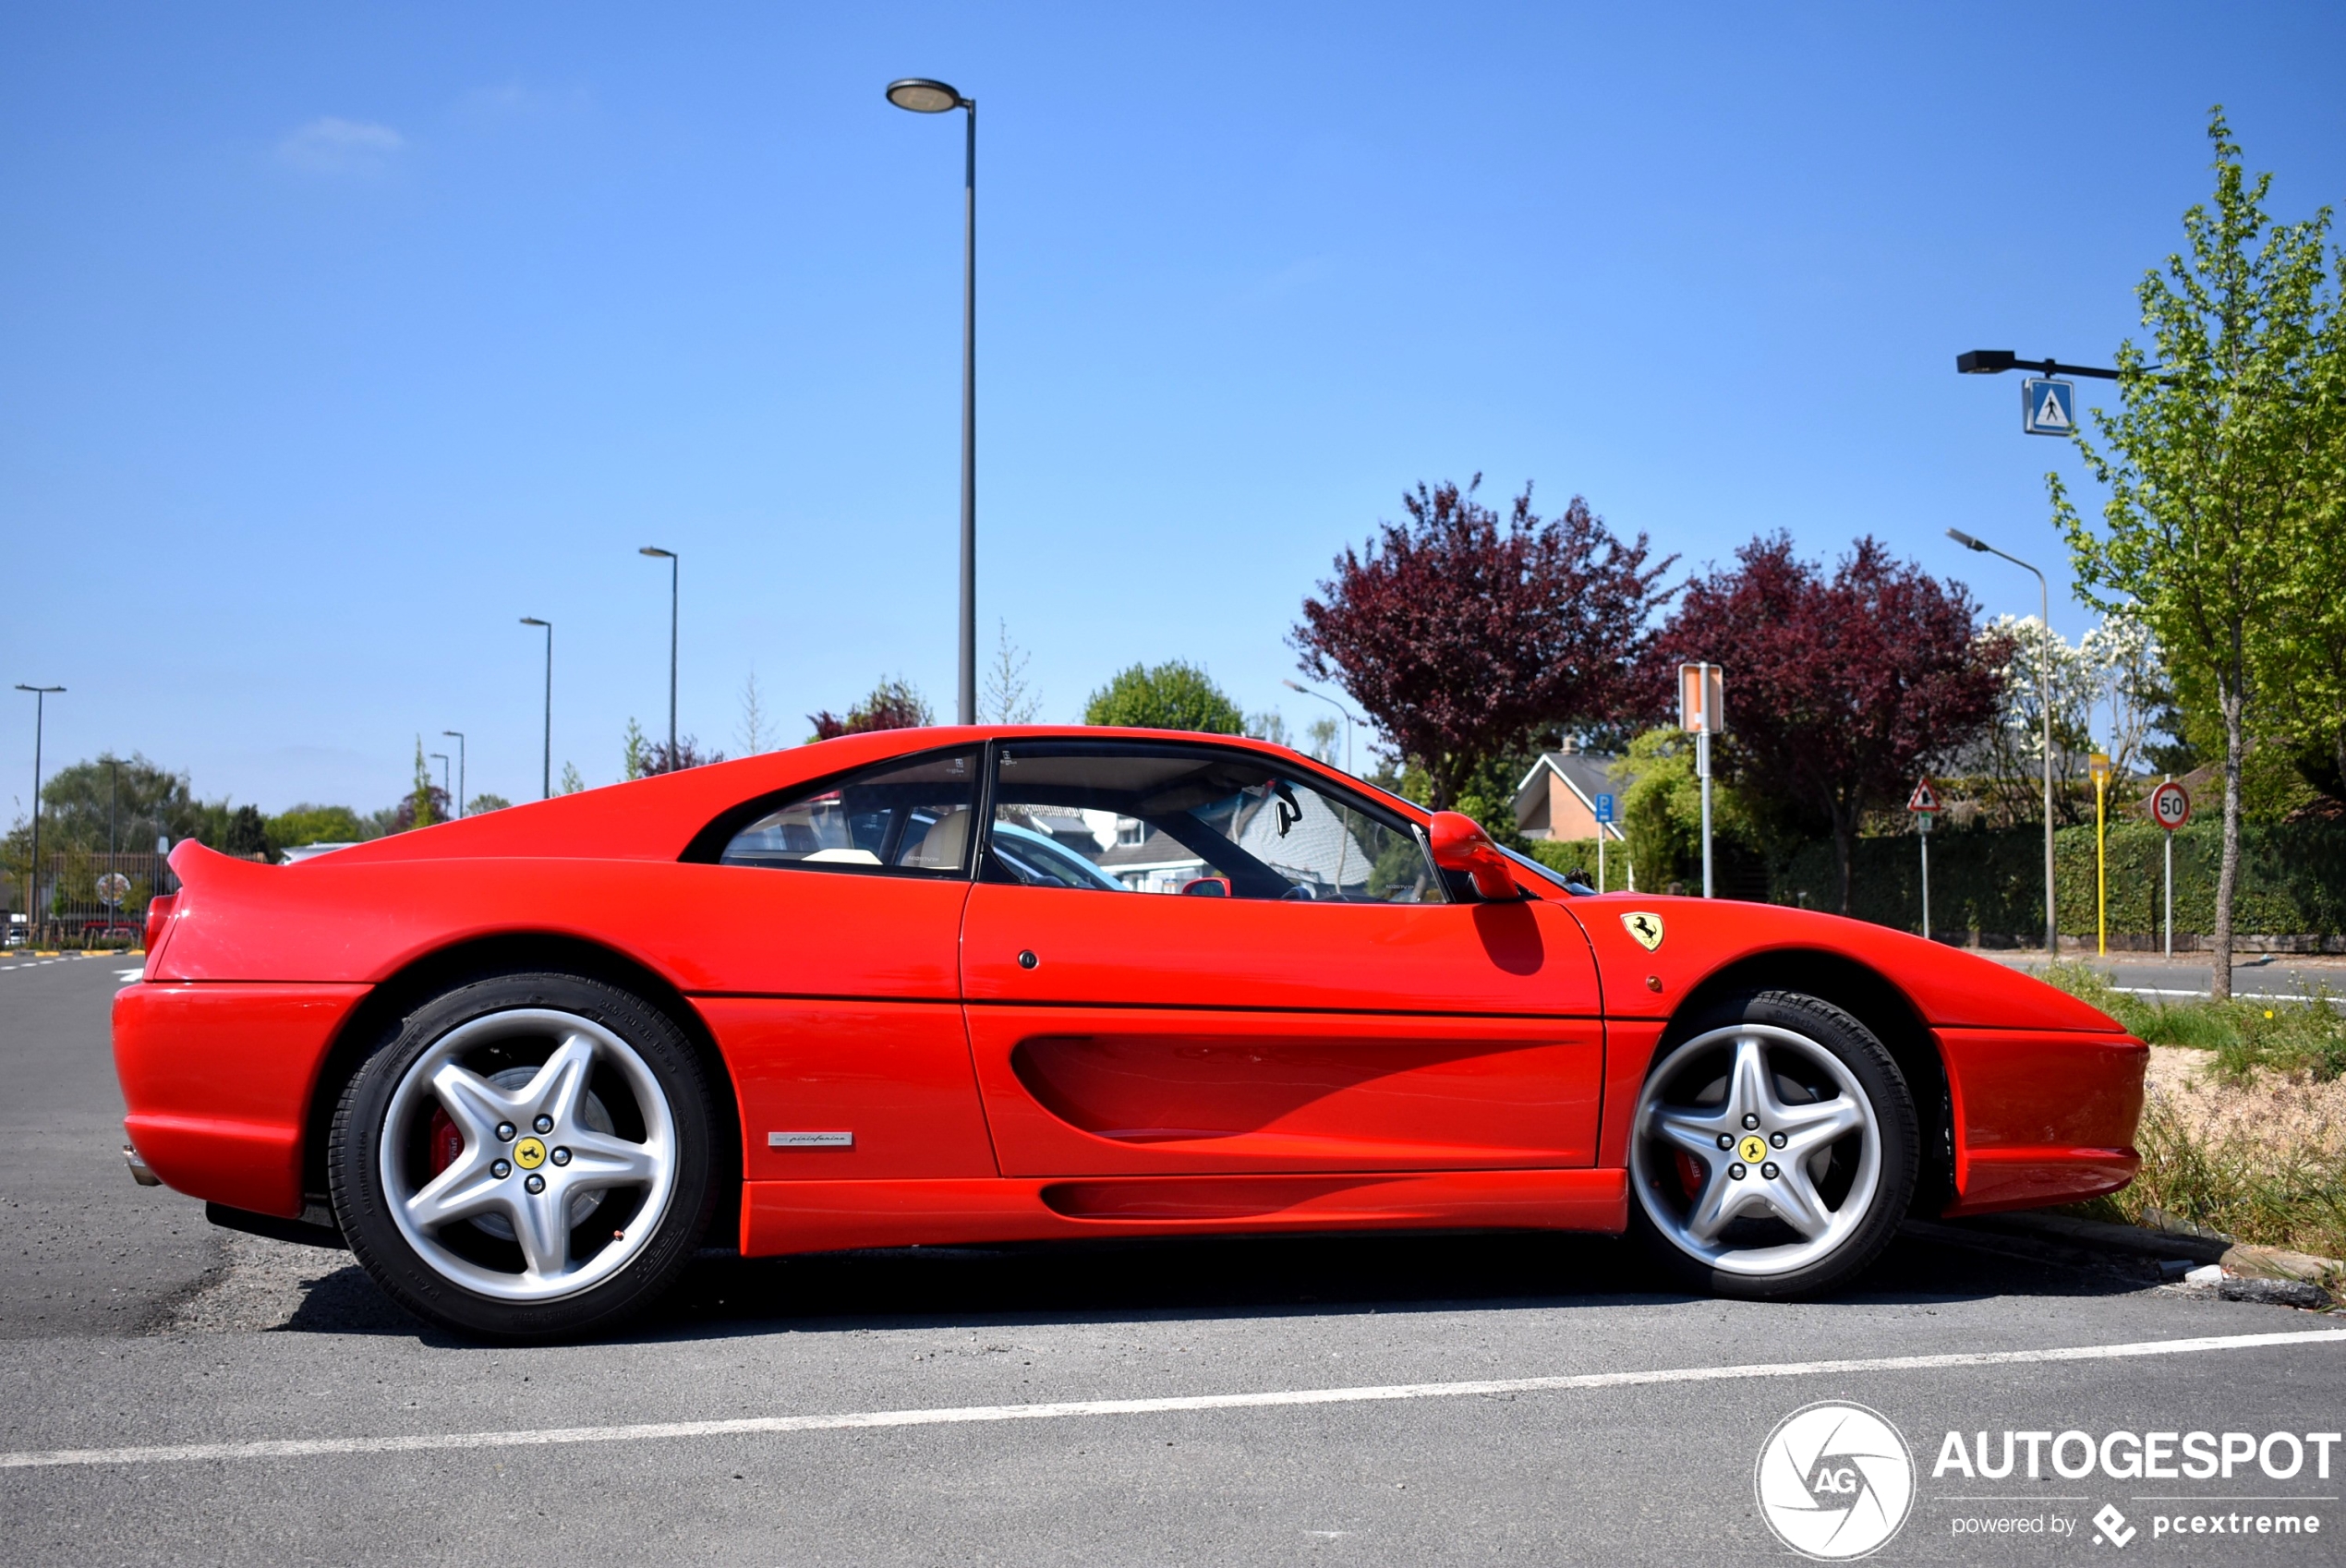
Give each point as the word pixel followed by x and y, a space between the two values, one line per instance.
pixel 912 987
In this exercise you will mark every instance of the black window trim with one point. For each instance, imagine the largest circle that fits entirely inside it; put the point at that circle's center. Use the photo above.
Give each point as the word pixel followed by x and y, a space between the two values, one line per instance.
pixel 1077 745
pixel 708 846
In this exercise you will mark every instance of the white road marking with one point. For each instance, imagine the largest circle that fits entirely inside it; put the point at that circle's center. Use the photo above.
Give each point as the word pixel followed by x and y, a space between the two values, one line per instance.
pixel 651 1431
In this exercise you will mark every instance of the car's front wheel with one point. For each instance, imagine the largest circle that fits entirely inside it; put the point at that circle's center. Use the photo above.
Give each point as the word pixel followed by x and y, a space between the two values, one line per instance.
pixel 1773 1150
pixel 528 1157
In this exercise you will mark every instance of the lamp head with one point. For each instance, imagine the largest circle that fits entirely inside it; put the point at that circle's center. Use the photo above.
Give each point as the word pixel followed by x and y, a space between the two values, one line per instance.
pixel 1983 362
pixel 654 549
pixel 922 96
pixel 45 691
pixel 458 733
pixel 1964 539
pixel 533 621
pixel 1295 686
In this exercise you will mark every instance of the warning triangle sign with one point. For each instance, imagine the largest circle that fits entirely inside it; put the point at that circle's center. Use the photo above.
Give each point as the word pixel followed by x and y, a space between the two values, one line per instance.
pixel 1924 798
pixel 2050 413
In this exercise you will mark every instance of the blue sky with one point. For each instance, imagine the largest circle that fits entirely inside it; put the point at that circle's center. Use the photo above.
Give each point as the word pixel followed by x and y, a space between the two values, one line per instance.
pixel 334 338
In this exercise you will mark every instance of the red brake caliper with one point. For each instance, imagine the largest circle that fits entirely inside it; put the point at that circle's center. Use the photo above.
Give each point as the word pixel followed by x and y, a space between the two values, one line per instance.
pixel 444 1141
pixel 1689 1172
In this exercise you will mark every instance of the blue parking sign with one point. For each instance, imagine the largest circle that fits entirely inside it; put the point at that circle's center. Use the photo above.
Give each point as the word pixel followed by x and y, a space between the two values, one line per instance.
pixel 2048 407
pixel 1604 809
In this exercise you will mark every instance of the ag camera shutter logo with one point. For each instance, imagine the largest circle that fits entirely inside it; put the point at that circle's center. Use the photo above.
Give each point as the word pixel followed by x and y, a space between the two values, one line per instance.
pixel 1834 1481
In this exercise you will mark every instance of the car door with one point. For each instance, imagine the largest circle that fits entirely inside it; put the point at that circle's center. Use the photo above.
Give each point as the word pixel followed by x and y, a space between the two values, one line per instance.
pixel 1302 997
pixel 831 958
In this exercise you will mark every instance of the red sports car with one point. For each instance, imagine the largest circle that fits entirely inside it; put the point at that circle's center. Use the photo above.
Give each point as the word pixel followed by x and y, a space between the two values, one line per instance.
pixel 910 987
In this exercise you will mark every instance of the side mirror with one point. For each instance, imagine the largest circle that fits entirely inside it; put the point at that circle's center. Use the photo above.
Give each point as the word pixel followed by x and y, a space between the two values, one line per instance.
pixel 1459 844
pixel 1208 887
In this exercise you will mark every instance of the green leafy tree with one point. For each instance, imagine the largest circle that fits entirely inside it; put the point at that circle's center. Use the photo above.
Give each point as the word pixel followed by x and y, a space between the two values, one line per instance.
pixel 1172 695
pixel 316 825
pixel 637 760
pixel 571 783
pixel 2212 465
pixel 485 802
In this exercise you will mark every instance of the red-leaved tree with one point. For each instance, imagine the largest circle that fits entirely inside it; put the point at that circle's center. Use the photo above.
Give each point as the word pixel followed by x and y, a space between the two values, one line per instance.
pixel 1461 633
pixel 1840 690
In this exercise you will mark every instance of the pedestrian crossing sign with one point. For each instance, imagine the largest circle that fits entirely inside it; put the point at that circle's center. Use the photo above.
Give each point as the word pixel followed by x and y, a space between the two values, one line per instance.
pixel 2048 407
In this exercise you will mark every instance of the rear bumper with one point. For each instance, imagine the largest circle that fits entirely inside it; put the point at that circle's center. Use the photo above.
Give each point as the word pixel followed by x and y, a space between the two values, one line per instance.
pixel 217 1079
pixel 2042 1116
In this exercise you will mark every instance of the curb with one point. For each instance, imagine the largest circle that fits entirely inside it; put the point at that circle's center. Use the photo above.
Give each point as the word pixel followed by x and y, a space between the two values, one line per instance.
pixel 2244 1260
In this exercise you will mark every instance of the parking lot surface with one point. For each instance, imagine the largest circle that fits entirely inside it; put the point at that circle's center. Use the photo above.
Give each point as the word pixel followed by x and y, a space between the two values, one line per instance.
pixel 169 1393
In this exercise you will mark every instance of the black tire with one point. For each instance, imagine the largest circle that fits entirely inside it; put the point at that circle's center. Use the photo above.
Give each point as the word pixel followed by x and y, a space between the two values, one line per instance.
pixel 1894 1123
pixel 362 1205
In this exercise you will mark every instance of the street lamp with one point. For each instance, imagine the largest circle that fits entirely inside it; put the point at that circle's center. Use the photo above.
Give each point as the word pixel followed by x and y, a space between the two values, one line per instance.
pixel 669 556
pixel 1298 686
pixel 40 695
pixel 922 96
pixel 460 768
pixel 2044 704
pixel 546 789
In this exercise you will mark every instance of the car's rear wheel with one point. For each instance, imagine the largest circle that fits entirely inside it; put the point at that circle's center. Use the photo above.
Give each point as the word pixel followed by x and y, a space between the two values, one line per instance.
pixel 1774 1150
pixel 528 1157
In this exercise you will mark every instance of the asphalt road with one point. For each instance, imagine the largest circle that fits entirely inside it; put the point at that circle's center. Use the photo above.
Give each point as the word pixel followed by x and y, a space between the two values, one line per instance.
pixel 2294 976
pixel 1332 1399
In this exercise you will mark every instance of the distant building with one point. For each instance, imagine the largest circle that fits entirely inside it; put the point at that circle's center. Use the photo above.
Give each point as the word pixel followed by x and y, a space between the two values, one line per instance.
pixel 1558 798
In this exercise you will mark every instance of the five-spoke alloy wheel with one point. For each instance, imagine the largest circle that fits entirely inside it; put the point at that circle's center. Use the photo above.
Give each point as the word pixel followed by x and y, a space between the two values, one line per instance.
pixel 1773 1148
pixel 528 1157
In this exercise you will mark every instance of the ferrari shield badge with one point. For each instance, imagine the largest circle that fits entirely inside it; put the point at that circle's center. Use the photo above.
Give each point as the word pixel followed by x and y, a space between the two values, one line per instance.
pixel 1646 928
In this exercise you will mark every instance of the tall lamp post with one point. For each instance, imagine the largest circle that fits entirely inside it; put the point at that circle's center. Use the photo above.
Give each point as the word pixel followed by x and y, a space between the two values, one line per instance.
pixel 460 768
pixel 2044 704
pixel 669 556
pixel 922 96
pixel 40 695
pixel 546 789
pixel 1351 721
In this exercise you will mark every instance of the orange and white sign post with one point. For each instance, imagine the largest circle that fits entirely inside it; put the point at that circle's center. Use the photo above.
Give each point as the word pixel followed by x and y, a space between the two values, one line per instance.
pixel 1924 803
pixel 2170 808
pixel 1703 713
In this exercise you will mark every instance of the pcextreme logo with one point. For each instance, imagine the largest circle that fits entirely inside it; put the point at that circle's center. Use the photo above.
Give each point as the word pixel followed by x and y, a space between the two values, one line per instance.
pixel 1834 1481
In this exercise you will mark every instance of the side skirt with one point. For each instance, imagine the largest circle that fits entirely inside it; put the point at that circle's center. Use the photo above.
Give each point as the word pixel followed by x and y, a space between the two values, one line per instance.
pixel 823 1216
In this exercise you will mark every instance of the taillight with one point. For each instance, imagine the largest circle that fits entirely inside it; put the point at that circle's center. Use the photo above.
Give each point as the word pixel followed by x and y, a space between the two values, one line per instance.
pixel 158 910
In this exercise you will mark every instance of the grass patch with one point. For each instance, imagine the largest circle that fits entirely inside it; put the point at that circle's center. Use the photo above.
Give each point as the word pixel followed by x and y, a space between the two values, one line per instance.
pixel 2264 1191
pixel 2248 1034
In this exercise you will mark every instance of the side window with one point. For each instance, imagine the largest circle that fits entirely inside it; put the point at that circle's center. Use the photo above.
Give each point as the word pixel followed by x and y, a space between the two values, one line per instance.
pixel 1197 822
pixel 905 817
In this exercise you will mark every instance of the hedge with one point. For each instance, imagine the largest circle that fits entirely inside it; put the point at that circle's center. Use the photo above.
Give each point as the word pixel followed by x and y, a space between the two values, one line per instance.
pixel 2293 880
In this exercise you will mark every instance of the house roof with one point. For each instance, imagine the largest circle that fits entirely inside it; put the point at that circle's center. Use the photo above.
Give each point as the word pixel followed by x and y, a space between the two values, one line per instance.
pixel 1586 773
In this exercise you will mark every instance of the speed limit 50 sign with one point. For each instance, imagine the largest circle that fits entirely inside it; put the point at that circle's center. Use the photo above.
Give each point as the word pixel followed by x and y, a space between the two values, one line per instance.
pixel 2170 806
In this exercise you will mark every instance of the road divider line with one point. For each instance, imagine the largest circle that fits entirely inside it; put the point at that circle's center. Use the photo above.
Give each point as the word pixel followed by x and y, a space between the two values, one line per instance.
pixel 753 1426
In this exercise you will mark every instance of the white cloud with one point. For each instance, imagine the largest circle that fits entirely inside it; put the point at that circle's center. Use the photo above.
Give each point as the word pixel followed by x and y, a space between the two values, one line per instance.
pixel 331 145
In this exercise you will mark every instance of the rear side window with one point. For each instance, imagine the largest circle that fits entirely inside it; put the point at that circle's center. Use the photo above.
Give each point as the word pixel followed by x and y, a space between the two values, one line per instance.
pixel 907 818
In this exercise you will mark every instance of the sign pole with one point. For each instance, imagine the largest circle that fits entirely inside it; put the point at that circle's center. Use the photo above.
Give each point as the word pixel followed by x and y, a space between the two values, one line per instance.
pixel 1924 804
pixel 1702 771
pixel 1604 821
pixel 1702 705
pixel 2170 808
pixel 1922 827
pixel 2100 767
